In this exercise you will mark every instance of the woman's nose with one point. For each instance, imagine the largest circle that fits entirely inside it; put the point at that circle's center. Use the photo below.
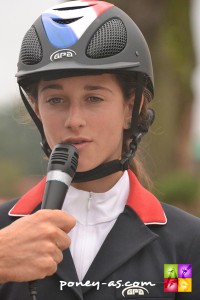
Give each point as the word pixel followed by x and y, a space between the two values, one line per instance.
pixel 75 117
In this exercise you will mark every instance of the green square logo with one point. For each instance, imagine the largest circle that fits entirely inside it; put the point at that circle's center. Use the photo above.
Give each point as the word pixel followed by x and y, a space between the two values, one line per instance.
pixel 170 270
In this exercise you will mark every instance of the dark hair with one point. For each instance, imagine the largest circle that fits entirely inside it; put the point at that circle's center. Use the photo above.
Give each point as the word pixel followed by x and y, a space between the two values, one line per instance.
pixel 127 82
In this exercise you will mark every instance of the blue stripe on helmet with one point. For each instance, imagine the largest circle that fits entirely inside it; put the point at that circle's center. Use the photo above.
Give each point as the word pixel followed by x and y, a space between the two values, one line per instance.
pixel 59 35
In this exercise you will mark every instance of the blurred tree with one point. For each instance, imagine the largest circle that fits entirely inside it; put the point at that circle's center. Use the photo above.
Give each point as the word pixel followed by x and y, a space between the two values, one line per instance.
pixel 12 171
pixel 20 153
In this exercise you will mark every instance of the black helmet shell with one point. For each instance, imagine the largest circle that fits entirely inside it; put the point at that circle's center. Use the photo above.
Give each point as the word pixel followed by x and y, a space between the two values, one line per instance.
pixel 83 36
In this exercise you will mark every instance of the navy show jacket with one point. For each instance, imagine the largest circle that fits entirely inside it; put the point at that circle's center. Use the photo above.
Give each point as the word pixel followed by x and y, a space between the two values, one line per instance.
pixel 130 263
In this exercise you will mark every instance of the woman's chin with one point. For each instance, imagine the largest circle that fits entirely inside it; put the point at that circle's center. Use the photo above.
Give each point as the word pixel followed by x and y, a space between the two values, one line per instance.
pixel 80 170
pixel 85 167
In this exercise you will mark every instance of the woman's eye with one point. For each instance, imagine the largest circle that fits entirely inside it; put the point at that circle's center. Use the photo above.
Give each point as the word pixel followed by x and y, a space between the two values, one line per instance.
pixel 94 99
pixel 55 100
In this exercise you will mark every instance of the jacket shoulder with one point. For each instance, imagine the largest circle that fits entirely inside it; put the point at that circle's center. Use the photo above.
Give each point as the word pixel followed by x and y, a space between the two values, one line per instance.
pixel 182 228
pixel 178 216
pixel 5 219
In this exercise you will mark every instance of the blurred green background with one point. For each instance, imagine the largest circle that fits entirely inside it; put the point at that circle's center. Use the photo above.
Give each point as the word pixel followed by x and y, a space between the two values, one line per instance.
pixel 167 151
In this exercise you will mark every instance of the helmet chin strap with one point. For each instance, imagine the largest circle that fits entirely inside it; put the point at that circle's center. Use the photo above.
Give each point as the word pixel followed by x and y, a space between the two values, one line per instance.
pixel 113 166
pixel 108 168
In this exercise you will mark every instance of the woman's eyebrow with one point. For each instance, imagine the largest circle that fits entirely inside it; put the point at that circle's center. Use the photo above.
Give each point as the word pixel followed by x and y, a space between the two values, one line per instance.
pixel 96 87
pixel 86 87
pixel 52 86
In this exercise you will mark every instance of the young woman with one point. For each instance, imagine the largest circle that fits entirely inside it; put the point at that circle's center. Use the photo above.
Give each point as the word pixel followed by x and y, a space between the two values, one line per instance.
pixel 86 78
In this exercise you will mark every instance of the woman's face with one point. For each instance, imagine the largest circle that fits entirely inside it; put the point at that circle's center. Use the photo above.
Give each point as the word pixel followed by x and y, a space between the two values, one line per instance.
pixel 87 111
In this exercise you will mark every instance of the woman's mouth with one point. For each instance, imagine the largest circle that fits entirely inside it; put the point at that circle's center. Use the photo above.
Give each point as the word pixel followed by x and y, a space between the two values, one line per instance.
pixel 78 143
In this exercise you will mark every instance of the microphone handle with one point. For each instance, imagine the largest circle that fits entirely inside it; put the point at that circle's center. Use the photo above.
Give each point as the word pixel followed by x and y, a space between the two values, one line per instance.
pixel 33 289
pixel 51 199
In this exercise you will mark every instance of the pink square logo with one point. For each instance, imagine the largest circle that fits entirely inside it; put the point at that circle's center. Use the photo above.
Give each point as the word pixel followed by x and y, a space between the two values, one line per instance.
pixel 170 285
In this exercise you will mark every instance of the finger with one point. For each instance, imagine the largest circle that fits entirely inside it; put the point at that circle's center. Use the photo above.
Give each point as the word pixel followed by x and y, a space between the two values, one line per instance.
pixel 66 221
pixel 58 255
pixel 58 218
pixel 49 267
pixel 63 241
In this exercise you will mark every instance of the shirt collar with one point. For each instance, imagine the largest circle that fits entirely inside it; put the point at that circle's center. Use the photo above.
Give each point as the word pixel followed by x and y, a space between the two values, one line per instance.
pixel 144 203
pixel 97 208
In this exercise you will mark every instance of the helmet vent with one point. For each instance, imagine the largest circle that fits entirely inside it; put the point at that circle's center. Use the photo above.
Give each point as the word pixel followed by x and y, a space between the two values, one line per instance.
pixel 31 49
pixel 73 7
pixel 66 21
pixel 110 39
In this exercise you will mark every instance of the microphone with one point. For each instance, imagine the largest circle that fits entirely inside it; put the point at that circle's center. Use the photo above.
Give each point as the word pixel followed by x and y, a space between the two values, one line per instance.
pixel 61 169
pixel 60 173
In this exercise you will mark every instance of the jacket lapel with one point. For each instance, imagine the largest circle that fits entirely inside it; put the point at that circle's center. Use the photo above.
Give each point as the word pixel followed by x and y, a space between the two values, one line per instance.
pixel 127 237
pixel 29 202
pixel 66 271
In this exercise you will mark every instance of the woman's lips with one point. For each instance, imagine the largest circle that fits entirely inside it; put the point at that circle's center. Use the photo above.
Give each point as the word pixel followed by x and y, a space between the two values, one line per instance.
pixel 79 143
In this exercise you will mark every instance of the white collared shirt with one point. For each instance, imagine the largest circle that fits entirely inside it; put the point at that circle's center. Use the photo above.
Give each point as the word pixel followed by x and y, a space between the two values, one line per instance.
pixel 95 214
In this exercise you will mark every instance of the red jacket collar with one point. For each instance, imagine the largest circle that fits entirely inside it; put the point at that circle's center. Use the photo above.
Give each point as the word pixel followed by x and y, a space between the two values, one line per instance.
pixel 144 203
pixel 140 200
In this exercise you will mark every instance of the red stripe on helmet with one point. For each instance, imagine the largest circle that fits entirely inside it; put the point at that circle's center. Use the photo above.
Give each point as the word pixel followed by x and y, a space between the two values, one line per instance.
pixel 98 6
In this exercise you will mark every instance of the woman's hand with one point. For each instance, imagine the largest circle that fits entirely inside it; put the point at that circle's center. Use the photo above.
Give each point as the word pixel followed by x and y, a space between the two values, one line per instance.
pixel 31 247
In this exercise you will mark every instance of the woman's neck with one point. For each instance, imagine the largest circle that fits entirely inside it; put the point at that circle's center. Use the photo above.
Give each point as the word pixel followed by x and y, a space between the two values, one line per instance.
pixel 101 185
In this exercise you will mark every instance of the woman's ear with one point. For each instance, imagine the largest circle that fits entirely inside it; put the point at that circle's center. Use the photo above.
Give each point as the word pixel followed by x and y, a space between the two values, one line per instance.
pixel 141 104
pixel 129 110
pixel 128 113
